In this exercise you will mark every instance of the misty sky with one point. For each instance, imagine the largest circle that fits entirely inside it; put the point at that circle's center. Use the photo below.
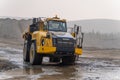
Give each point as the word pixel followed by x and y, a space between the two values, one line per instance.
pixel 69 9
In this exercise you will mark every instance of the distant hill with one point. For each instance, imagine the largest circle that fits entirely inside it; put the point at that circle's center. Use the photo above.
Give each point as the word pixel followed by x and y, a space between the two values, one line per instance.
pixel 99 33
pixel 98 25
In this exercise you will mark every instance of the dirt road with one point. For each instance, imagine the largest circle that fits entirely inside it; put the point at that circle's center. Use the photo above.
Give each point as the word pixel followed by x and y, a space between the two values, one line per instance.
pixel 92 65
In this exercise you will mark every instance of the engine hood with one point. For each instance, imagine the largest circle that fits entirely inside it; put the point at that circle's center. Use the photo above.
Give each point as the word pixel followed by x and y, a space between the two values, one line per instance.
pixel 61 34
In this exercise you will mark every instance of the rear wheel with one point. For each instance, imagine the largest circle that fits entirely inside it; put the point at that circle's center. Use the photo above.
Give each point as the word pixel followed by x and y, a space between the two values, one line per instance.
pixel 68 60
pixel 35 58
pixel 26 52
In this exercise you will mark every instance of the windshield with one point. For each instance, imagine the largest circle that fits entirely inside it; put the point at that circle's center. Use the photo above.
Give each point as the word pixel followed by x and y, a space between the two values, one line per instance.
pixel 57 26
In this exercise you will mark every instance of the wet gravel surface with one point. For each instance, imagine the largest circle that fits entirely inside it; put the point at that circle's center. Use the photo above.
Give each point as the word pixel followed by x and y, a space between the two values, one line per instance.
pixel 95 67
pixel 6 65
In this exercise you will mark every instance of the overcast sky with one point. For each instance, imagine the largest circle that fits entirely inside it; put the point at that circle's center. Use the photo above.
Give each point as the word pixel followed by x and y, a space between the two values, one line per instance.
pixel 69 9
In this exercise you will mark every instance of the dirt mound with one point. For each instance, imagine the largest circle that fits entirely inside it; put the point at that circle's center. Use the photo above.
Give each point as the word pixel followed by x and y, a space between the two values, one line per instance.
pixel 103 41
pixel 12 29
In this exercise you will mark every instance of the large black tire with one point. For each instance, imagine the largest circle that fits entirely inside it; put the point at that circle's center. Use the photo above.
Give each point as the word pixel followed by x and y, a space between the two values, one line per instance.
pixel 35 58
pixel 26 52
pixel 68 60
pixel 54 59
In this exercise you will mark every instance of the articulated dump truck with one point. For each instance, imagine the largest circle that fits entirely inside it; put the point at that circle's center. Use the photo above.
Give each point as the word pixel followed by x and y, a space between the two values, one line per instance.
pixel 49 37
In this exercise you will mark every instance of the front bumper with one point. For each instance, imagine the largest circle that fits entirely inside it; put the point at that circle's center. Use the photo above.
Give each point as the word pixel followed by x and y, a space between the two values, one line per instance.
pixel 54 50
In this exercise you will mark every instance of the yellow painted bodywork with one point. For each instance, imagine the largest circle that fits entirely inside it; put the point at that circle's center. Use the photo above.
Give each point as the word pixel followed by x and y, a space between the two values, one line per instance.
pixel 56 19
pixel 38 36
pixel 52 50
pixel 73 34
pixel 78 51
pixel 46 50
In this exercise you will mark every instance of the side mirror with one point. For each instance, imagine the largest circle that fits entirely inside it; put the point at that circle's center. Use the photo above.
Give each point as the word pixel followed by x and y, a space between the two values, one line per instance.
pixel 82 35
pixel 82 38
pixel 77 30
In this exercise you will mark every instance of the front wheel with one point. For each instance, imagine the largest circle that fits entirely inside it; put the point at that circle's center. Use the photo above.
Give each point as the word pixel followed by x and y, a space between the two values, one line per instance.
pixel 35 58
pixel 26 52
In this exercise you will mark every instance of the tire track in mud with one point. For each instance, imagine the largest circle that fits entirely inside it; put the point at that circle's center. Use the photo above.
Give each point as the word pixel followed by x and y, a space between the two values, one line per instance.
pixel 10 58
pixel 85 68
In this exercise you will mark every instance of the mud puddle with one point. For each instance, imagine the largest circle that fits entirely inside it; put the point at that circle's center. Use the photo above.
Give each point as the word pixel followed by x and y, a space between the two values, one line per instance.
pixel 85 68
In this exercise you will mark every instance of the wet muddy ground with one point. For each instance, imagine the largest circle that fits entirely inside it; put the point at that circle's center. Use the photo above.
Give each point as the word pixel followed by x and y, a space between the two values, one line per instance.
pixel 92 65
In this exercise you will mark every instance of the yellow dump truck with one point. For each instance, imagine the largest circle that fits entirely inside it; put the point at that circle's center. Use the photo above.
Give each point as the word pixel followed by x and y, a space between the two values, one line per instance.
pixel 49 37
